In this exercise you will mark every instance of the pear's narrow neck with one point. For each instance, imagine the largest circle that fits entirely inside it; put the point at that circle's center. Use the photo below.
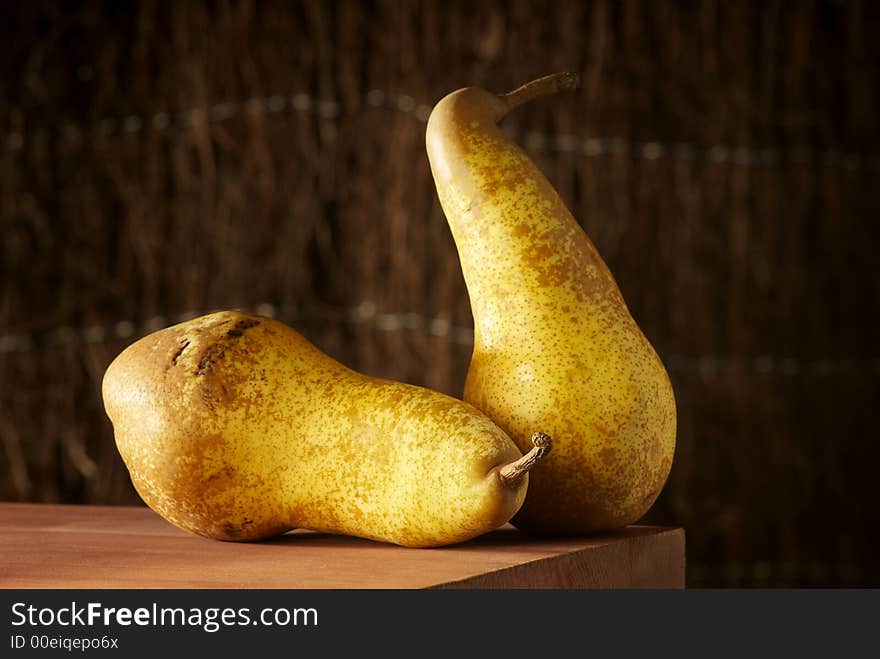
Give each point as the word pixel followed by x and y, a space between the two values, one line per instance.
pixel 514 234
pixel 516 240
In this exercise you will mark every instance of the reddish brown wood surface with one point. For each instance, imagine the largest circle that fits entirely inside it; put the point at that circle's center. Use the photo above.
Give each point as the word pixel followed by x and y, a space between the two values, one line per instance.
pixel 52 546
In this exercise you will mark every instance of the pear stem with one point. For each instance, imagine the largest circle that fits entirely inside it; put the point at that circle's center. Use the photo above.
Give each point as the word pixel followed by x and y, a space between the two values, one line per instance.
pixel 551 84
pixel 511 474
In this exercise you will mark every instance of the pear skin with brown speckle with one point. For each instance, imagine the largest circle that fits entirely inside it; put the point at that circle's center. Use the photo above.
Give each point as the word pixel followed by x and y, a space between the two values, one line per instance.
pixel 235 427
pixel 555 347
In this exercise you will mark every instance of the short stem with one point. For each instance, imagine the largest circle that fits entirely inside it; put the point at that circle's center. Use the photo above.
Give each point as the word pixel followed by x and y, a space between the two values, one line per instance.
pixel 511 474
pixel 551 84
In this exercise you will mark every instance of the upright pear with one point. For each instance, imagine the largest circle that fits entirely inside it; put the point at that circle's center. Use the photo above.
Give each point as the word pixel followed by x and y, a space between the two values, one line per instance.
pixel 555 347
pixel 235 427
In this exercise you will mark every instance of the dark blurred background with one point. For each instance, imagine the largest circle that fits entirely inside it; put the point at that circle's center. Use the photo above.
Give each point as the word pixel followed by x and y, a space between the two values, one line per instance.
pixel 160 160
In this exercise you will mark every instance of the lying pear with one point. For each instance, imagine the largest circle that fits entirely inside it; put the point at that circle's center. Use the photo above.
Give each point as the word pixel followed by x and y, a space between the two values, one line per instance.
pixel 555 347
pixel 235 427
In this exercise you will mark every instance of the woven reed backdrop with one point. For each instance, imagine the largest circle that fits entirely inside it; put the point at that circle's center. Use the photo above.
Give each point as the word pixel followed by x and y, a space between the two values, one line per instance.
pixel 162 160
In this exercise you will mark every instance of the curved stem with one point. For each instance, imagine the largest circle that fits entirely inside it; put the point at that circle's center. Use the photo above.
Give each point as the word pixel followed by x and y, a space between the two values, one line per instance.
pixel 511 474
pixel 551 84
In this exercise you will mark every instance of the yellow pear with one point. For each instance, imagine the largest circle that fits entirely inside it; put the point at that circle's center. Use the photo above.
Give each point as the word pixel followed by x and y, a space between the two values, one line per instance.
pixel 555 347
pixel 235 427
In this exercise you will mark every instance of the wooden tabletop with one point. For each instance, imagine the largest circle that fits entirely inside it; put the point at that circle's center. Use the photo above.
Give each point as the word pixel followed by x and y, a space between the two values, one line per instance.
pixel 54 546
